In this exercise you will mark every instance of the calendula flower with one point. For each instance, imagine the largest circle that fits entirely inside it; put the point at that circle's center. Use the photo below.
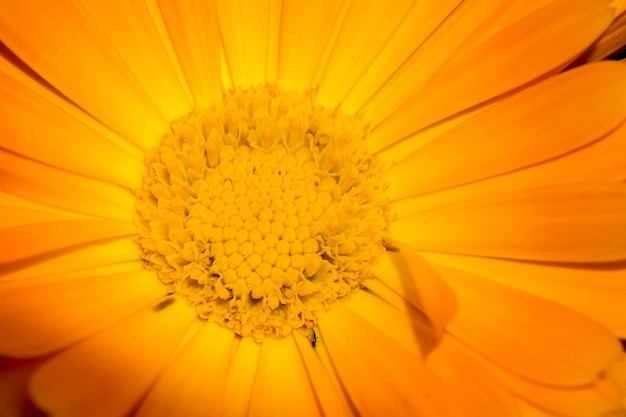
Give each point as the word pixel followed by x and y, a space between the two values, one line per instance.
pixel 277 208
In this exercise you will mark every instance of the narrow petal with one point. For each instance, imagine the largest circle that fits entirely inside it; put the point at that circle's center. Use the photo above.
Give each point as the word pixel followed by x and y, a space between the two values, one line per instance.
pixel 282 386
pixel 63 43
pixel 528 335
pixel 598 290
pixel 542 122
pixel 40 319
pixel 357 45
pixel 60 127
pixel 23 242
pixel 508 60
pixel 380 376
pixel 192 27
pixel 599 398
pixel 134 34
pixel 58 188
pixel 412 277
pixel 478 392
pixel 617 374
pixel 193 383
pixel 241 376
pixel 603 160
pixel 568 223
pixel 403 325
pixel 85 256
pixel 299 48
pixel 15 216
pixel 250 35
pixel 439 41
pixel 325 383
pixel 123 361
pixel 407 51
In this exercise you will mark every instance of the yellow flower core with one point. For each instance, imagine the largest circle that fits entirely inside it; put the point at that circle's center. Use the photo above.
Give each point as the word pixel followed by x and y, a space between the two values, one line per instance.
pixel 263 210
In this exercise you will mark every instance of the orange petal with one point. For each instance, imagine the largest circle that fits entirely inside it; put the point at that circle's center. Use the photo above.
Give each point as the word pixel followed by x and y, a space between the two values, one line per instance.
pixel 14 376
pixel 23 242
pixel 325 383
pixel 39 319
pixel 282 386
pixel 122 361
pixel 412 277
pixel 540 123
pixel 597 290
pixel 59 188
pixel 241 377
pixel 567 223
pixel 599 398
pixel 476 390
pixel 528 335
pixel 380 376
pixel 617 374
pixel 603 160
pixel 250 37
pixel 512 58
pixel 63 43
pixel 36 123
pixel 92 255
pixel 134 30
pixel 193 30
pixel 16 216
pixel 405 326
pixel 193 383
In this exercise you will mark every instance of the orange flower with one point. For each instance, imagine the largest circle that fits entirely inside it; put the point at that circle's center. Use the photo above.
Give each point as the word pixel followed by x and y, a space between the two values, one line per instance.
pixel 311 208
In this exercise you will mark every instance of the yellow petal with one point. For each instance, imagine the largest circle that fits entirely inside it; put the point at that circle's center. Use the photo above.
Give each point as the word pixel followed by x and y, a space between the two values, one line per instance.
pixel 63 43
pixel 413 278
pixel 58 188
pixel 40 319
pixel 379 375
pixel 568 223
pixel 357 45
pixel 408 56
pixel 192 27
pixel 122 361
pixel 299 49
pixel 193 383
pixel 542 122
pixel 23 242
pixel 250 36
pixel 451 24
pixel 598 291
pixel 528 335
pixel 514 57
pixel 282 386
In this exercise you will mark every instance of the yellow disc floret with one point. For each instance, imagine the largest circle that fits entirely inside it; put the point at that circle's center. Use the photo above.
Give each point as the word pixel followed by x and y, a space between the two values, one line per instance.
pixel 262 211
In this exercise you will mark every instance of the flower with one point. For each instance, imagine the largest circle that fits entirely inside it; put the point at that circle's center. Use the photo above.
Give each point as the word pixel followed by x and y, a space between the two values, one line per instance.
pixel 297 208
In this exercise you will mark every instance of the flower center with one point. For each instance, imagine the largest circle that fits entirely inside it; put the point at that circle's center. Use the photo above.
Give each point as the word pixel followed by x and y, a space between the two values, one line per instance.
pixel 263 210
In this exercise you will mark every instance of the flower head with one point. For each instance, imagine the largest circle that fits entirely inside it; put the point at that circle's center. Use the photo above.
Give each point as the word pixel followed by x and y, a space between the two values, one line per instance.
pixel 311 208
